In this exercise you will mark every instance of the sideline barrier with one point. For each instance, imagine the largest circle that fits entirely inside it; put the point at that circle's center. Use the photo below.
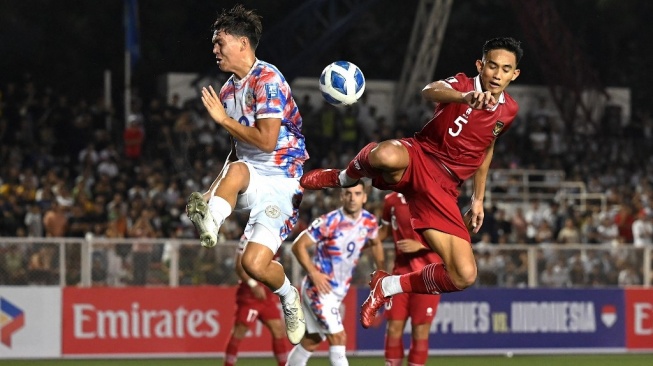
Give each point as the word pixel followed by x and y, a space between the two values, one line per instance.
pixel 50 322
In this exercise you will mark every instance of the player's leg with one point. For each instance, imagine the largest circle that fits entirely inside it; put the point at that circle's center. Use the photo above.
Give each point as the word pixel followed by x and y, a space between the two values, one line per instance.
pixel 300 354
pixel 338 348
pixel 231 353
pixel 422 310
pixel 257 261
pixel 387 159
pixel 396 313
pixel 394 344
pixel 278 332
pixel 456 273
pixel 208 217
pixel 245 316
pixel 419 346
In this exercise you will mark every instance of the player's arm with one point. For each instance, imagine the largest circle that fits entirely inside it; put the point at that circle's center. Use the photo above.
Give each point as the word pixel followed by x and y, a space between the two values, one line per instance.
pixel 264 134
pixel 300 251
pixel 258 291
pixel 441 92
pixel 377 252
pixel 475 214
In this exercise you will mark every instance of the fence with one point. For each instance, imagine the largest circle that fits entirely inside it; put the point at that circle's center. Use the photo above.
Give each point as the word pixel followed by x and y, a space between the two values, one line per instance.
pixel 88 262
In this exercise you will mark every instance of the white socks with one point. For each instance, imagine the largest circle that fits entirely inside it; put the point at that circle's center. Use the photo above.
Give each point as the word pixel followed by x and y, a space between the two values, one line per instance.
pixel 220 209
pixel 298 356
pixel 285 291
pixel 391 286
pixel 338 356
pixel 345 180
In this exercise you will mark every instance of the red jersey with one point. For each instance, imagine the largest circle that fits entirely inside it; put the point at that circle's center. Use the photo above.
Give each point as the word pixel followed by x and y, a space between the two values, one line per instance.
pixel 397 215
pixel 459 135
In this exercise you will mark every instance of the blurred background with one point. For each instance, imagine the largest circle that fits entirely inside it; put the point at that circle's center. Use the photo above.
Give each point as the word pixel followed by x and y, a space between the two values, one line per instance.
pixel 103 135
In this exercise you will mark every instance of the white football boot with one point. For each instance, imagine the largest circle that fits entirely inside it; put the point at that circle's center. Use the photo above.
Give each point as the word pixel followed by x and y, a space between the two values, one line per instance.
pixel 199 214
pixel 294 317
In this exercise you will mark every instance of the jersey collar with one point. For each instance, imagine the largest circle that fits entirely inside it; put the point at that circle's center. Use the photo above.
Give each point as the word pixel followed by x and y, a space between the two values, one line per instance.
pixel 477 87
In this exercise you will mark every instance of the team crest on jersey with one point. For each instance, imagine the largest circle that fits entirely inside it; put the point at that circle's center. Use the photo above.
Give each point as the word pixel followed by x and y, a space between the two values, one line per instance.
pixel 362 232
pixel 497 128
pixel 249 99
pixel 273 211
pixel 272 91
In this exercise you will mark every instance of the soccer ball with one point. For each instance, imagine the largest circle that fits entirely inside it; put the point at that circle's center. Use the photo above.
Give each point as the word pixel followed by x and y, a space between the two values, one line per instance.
pixel 341 83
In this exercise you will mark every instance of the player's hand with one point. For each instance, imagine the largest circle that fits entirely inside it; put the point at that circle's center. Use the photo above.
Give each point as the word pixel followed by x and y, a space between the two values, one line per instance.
pixel 473 218
pixel 480 100
pixel 258 292
pixel 409 246
pixel 213 105
pixel 321 282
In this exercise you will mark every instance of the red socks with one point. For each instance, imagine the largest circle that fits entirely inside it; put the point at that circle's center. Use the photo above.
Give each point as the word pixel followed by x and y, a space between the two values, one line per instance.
pixel 280 350
pixel 231 354
pixel 419 352
pixel 432 279
pixel 360 167
pixel 394 351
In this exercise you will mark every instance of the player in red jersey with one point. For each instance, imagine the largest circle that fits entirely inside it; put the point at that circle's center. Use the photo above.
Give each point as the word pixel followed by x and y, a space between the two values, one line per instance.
pixel 410 256
pixel 255 302
pixel 456 144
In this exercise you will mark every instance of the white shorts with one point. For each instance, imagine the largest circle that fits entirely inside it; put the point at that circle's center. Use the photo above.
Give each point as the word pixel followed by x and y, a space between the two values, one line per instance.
pixel 322 312
pixel 273 202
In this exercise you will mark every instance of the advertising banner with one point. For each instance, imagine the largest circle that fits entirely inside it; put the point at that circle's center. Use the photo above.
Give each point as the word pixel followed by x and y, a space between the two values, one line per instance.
pixel 520 319
pixel 639 319
pixel 30 322
pixel 123 321
pixel 146 320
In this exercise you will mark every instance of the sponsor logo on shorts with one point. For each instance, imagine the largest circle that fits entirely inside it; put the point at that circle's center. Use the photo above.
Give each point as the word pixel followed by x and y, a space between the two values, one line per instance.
pixel 273 211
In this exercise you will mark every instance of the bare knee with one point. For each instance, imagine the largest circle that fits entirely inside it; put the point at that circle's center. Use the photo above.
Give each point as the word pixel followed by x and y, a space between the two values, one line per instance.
pixel 254 264
pixel 337 339
pixel 236 174
pixel 464 276
pixel 389 155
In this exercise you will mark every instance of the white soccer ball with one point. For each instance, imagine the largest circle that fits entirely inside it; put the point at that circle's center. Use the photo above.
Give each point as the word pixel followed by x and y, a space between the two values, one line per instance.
pixel 341 83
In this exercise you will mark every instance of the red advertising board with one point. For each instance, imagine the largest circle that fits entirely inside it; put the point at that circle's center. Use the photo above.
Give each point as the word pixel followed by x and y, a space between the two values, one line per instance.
pixel 639 318
pixel 162 320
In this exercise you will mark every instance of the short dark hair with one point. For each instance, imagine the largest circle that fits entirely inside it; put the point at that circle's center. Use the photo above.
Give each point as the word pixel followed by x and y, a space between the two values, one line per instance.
pixel 504 43
pixel 240 22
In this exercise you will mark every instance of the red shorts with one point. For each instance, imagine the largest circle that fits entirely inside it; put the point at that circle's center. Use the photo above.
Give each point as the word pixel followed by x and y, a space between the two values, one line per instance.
pixel 248 312
pixel 421 308
pixel 431 192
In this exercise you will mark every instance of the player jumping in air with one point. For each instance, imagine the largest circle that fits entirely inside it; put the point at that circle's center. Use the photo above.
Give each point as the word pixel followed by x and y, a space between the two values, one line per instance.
pixel 456 144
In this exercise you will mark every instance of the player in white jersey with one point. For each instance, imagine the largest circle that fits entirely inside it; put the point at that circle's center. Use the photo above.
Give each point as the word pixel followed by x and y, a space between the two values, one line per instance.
pixel 338 236
pixel 262 173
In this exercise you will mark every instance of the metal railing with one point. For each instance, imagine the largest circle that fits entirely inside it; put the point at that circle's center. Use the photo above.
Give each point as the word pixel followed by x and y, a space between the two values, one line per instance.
pixel 178 262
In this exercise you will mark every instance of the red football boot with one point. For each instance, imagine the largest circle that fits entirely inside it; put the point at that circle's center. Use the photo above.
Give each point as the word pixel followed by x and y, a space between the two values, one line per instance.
pixel 376 299
pixel 321 178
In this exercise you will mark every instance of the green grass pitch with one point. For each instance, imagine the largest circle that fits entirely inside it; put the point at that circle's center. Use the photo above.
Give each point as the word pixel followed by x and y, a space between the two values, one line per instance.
pixel 518 360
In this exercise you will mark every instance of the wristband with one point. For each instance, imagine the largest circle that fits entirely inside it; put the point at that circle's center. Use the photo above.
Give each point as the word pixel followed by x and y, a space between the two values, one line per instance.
pixel 252 283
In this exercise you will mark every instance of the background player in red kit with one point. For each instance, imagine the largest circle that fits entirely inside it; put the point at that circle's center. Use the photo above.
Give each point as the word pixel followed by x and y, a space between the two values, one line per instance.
pixel 456 144
pixel 410 256
pixel 255 302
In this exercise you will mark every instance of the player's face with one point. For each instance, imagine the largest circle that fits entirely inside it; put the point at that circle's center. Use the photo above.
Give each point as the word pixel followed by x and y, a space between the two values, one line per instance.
pixel 497 69
pixel 353 199
pixel 227 49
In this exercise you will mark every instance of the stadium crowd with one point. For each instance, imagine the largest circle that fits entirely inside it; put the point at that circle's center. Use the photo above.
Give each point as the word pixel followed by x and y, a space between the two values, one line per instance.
pixel 70 167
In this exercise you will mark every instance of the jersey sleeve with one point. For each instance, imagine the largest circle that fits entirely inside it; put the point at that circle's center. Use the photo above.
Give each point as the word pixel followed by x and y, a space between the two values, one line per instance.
pixel 458 82
pixel 270 95
pixel 317 229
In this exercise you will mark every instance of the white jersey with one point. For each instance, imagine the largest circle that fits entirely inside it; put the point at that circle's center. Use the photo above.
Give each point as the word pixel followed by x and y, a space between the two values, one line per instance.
pixel 264 93
pixel 339 241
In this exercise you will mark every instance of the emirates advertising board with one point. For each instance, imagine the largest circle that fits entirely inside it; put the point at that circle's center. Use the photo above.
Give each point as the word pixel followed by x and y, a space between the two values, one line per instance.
pixel 184 320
